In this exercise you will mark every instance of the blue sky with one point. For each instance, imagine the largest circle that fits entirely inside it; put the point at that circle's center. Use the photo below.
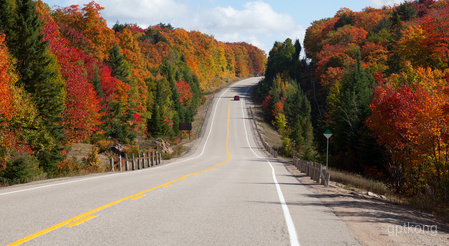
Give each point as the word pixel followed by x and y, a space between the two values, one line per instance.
pixel 259 22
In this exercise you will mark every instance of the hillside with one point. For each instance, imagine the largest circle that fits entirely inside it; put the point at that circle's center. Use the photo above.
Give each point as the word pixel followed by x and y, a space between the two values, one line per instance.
pixel 379 80
pixel 66 78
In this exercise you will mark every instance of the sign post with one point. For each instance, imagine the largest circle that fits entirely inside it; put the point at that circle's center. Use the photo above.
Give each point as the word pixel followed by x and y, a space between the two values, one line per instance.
pixel 328 135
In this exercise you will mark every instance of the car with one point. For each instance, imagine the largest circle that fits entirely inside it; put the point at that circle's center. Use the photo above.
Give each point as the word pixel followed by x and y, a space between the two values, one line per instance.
pixel 236 98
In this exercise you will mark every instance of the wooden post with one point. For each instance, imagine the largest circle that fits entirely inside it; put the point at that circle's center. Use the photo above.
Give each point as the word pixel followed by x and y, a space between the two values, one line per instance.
pixel 152 158
pixel 120 163
pixel 160 157
pixel 112 164
pixel 126 163
pixel 148 159
pixel 138 161
pixel 133 163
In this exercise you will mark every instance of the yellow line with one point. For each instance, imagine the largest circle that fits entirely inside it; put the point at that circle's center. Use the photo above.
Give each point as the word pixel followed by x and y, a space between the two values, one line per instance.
pixel 82 221
pixel 86 216
pixel 137 197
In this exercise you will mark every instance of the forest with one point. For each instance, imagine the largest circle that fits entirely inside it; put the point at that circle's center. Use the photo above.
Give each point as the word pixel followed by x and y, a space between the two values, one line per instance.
pixel 66 78
pixel 379 80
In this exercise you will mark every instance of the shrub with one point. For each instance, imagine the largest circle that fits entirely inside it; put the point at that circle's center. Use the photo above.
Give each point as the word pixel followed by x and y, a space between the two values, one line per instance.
pixel 21 169
pixel 69 167
pixel 92 162
pixel 103 145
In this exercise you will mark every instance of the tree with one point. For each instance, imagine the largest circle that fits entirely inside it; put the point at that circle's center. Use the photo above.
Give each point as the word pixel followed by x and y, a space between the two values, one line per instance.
pixel 348 104
pixel 117 64
pixel 156 125
pixel 40 78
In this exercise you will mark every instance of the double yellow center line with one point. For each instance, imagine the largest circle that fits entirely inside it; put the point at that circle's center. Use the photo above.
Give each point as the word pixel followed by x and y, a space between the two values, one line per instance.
pixel 77 220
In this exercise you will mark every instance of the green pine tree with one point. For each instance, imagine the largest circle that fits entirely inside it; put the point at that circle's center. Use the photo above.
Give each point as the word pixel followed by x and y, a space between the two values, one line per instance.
pixel 39 77
pixel 117 64
pixel 351 137
pixel 97 84
pixel 156 125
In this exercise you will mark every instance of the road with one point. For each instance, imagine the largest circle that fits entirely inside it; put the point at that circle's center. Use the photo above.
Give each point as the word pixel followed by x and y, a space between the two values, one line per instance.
pixel 226 192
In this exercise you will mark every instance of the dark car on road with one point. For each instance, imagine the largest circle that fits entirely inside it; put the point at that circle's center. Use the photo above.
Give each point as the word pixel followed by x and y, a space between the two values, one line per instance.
pixel 236 98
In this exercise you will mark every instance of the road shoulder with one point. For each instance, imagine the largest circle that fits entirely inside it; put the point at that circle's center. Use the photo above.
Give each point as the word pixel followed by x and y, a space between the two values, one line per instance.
pixel 375 221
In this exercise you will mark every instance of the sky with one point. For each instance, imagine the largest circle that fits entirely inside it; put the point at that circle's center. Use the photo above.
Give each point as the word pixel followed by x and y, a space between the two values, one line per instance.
pixel 258 22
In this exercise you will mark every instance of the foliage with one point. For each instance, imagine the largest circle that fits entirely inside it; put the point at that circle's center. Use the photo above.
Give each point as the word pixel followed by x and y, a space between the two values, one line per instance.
pixel 284 103
pixel 21 169
pixel 394 129
pixel 66 77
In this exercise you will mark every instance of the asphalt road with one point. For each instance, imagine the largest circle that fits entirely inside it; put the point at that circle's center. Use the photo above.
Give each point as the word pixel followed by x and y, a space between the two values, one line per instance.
pixel 226 192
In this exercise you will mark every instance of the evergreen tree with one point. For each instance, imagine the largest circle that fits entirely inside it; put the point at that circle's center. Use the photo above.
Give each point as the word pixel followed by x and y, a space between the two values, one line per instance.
pixel 97 84
pixel 117 64
pixel 39 77
pixel 121 129
pixel 6 17
pixel 350 110
pixel 156 125
pixel 298 111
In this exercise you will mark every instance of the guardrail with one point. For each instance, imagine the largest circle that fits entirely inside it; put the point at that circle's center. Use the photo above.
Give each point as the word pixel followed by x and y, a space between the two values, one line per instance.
pixel 141 161
pixel 267 147
pixel 316 171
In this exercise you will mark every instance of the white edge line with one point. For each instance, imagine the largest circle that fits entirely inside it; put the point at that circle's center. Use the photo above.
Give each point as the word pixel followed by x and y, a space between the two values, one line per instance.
pixel 288 218
pixel 105 176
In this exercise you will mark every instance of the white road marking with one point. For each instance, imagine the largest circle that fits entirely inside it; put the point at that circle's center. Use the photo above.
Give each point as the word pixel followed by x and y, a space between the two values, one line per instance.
pixel 104 176
pixel 288 218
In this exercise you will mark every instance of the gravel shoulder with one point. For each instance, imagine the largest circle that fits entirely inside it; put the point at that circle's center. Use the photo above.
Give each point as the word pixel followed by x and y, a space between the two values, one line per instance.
pixel 374 221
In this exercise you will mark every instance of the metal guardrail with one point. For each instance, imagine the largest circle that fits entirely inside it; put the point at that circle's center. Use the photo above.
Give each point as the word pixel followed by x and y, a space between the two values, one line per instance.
pixel 267 147
pixel 316 171
pixel 141 161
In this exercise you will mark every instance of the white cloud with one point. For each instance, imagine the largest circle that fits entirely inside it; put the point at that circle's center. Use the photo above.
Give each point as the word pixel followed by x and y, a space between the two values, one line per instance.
pixel 381 3
pixel 143 12
pixel 254 22
pixel 255 17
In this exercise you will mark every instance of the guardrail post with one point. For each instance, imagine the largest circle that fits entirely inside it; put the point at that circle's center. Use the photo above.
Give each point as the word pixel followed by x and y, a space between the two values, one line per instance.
pixel 120 163
pixel 126 163
pixel 139 161
pixel 112 164
pixel 148 159
pixel 133 163
pixel 152 158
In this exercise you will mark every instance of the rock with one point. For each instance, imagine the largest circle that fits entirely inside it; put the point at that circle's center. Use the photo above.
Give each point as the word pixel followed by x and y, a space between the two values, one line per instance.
pixel 164 146
pixel 372 194
pixel 119 149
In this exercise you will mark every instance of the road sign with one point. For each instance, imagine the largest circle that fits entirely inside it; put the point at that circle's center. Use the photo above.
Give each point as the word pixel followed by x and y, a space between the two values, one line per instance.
pixel 185 126
pixel 328 133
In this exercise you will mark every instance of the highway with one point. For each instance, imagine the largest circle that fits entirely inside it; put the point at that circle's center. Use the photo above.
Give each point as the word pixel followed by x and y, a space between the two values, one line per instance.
pixel 226 191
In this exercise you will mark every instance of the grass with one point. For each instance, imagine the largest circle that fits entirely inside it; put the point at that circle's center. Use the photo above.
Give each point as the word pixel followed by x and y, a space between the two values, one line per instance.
pixel 356 182
pixel 359 182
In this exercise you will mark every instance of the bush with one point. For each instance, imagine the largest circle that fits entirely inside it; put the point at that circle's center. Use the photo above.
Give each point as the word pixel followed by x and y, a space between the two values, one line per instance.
pixel 92 162
pixel 69 167
pixel 103 145
pixel 21 169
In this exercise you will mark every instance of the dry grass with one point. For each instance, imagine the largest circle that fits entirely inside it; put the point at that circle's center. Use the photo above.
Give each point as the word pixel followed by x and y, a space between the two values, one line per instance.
pixel 269 134
pixel 351 180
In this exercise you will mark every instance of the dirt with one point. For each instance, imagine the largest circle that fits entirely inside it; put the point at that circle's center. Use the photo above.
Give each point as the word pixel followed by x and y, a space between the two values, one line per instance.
pixel 375 221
